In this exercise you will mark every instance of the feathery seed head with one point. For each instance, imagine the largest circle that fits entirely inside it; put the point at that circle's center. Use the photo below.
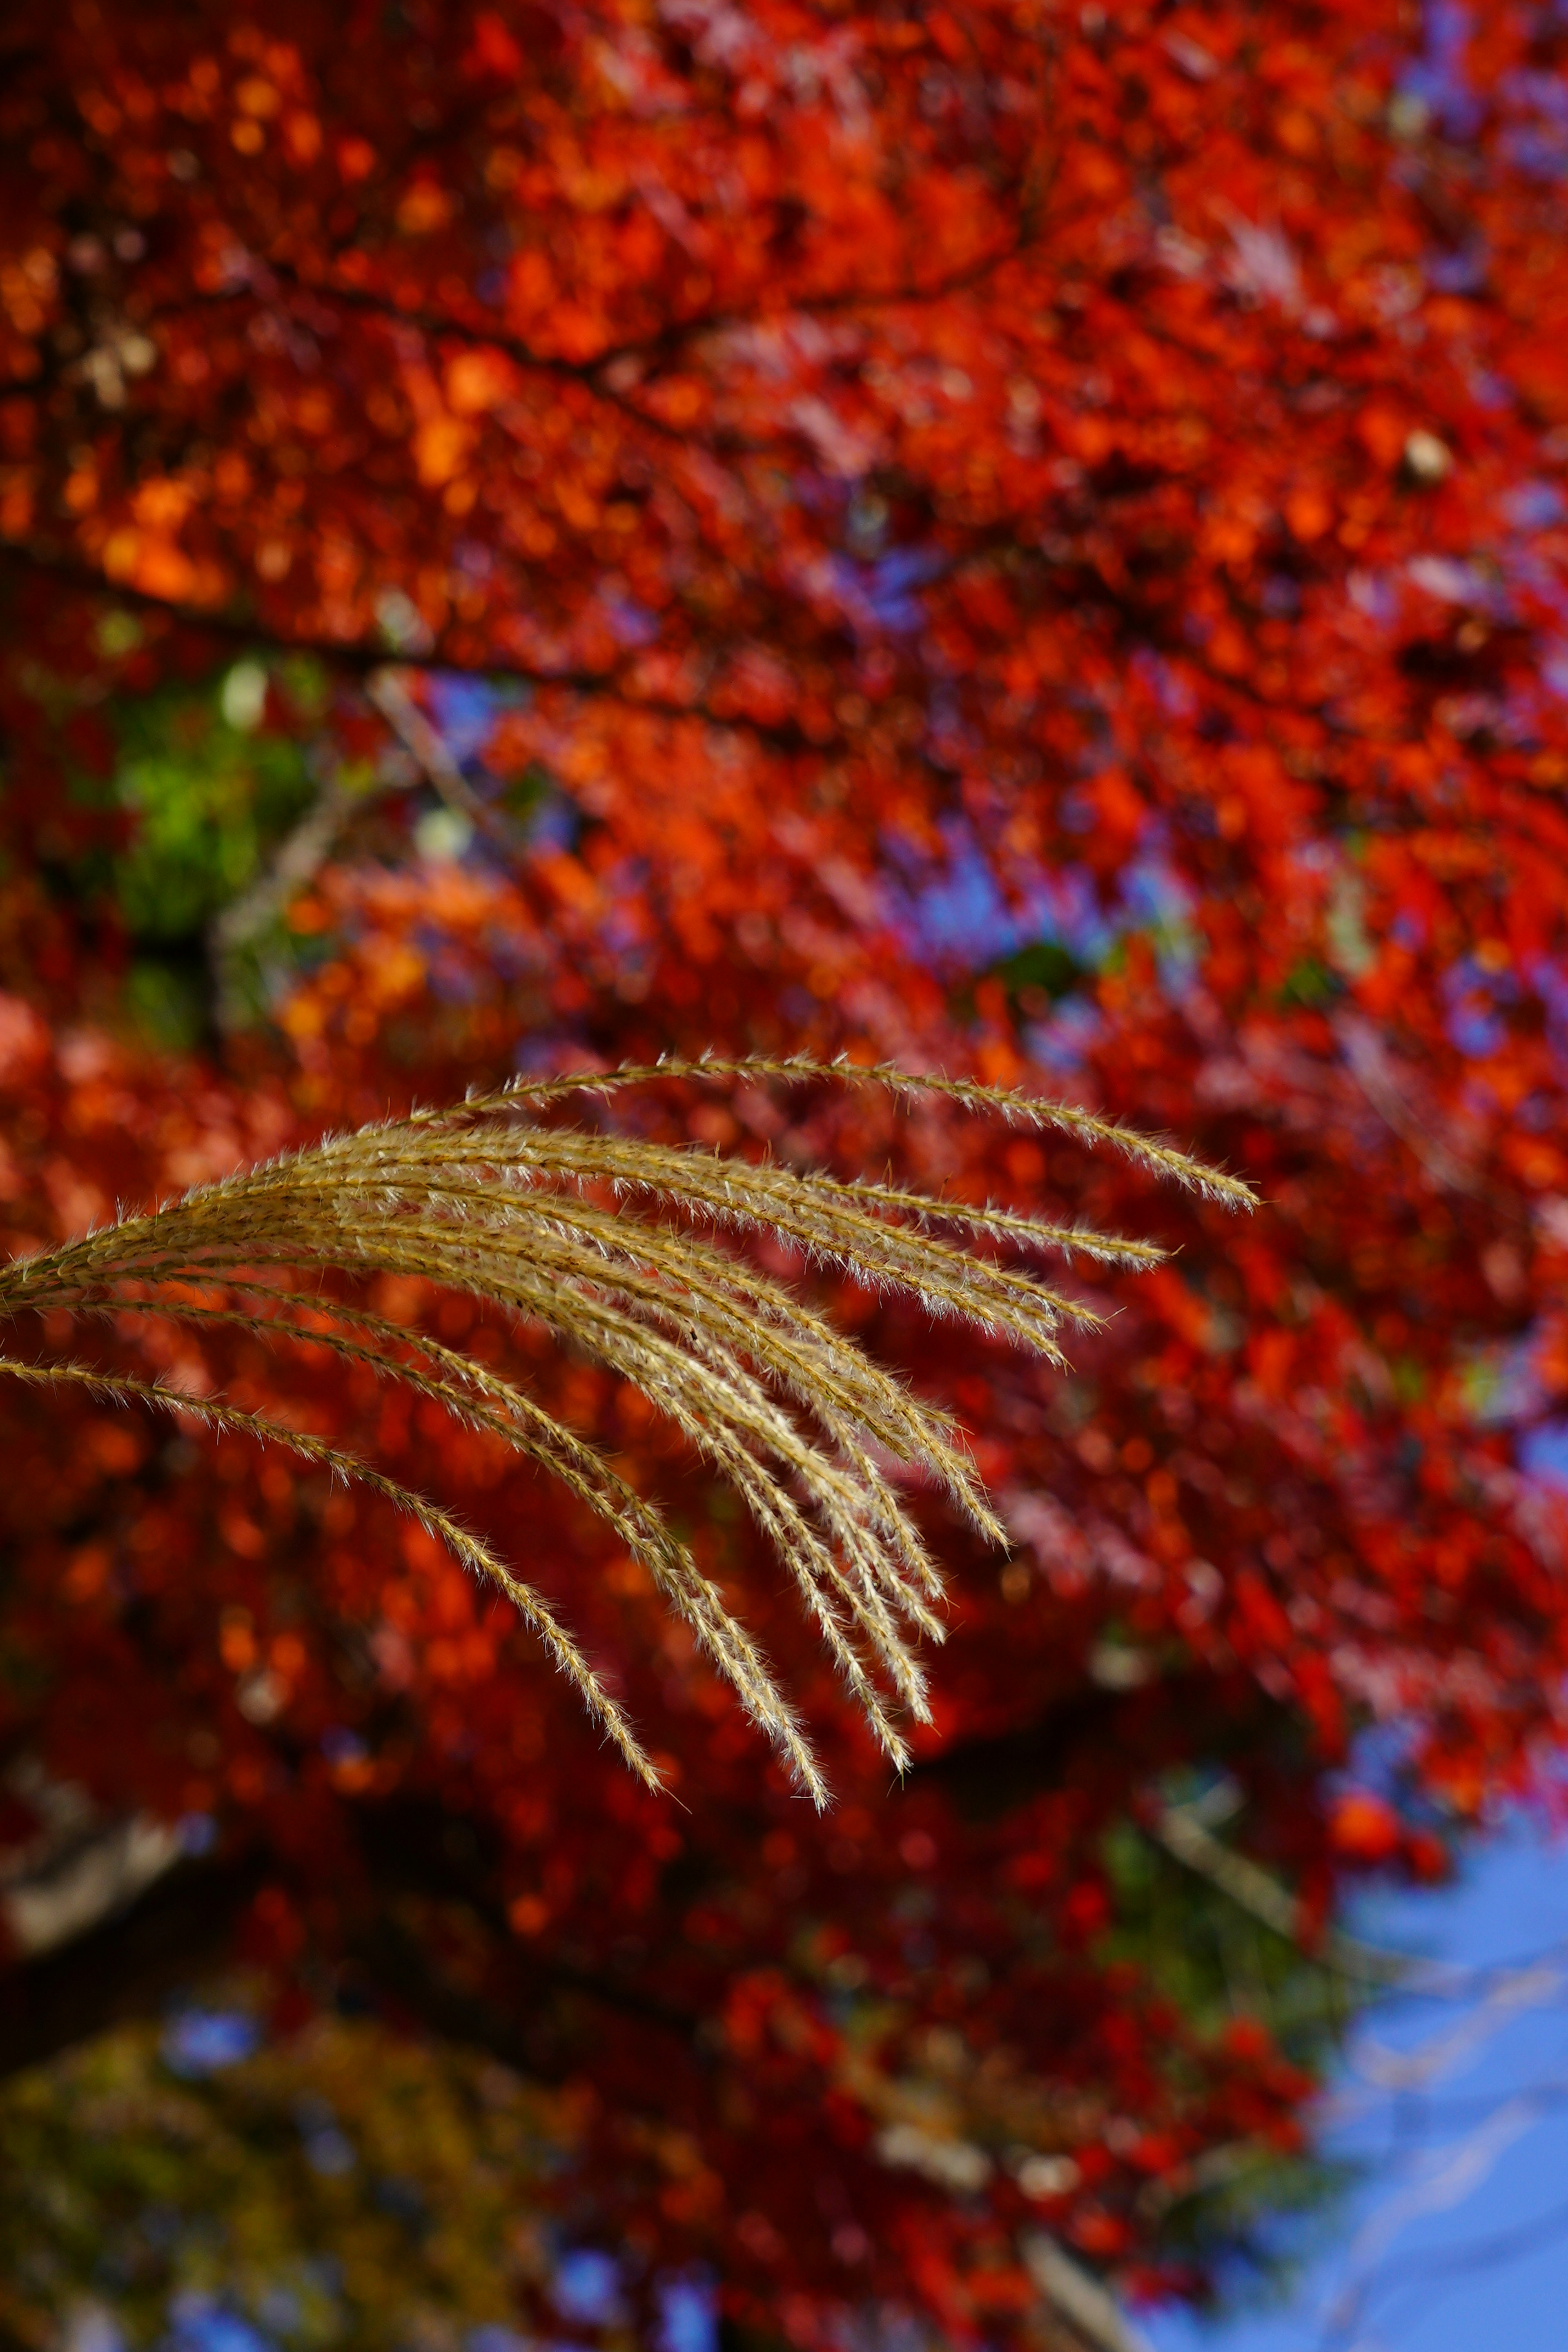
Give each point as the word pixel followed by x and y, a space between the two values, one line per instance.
pixel 537 1221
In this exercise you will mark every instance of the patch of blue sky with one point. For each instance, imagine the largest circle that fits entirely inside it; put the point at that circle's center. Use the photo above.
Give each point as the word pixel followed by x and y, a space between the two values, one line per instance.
pixel 1538 149
pixel 587 2287
pixel 1543 1453
pixel 1439 77
pixel 887 586
pixel 1473 995
pixel 956 915
pixel 1381 1760
pixel 1450 2107
pixel 1489 389
pixel 1156 902
pixel 199 2041
pixel 1462 271
pixel 553 822
pixel 1531 504
pixel 1537 142
pixel 1066 1040
pixel 464 711
pixel 688 2316
pixel 202 2323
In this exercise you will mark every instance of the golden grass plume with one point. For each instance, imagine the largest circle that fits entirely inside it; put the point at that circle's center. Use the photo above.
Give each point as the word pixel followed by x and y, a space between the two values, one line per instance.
pixel 616 1245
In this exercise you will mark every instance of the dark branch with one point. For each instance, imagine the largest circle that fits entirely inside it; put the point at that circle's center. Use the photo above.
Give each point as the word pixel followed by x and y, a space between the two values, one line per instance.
pixel 360 658
pixel 127 1965
pixel 130 1963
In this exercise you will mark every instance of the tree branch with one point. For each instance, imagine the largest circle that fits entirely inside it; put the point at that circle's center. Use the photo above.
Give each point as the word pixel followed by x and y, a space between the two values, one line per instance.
pixel 428 748
pixel 133 1956
pixel 1188 1840
pixel 358 658
pixel 1077 2296
pixel 125 1967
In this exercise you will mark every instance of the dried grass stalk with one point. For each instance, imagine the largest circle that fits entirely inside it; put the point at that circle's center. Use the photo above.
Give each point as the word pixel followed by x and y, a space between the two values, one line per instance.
pixel 620 1248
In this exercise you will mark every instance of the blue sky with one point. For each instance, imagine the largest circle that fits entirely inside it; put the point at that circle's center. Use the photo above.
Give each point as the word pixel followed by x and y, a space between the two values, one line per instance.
pixel 1457 2104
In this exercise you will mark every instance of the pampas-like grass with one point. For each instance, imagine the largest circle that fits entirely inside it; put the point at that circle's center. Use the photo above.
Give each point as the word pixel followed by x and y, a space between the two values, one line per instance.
pixel 616 1245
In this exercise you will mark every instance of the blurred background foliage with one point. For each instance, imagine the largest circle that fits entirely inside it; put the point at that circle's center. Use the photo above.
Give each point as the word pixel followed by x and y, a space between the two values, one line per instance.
pixel 209 778
pixel 202 2183
pixel 222 2182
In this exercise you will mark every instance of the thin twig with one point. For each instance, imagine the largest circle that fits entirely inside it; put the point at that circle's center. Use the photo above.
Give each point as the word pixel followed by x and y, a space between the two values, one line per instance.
pixel 1189 1840
pixel 425 744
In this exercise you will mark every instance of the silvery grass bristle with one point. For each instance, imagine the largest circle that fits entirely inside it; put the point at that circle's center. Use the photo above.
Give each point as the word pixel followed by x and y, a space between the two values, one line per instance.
pixel 616 1246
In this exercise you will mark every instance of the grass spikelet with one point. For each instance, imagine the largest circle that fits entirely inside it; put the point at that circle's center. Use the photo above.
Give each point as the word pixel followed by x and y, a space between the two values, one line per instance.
pixel 1007 1103
pixel 631 1252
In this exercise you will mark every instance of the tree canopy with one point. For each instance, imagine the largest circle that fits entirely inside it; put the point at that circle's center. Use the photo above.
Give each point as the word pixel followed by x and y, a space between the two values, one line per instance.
pixel 1018 540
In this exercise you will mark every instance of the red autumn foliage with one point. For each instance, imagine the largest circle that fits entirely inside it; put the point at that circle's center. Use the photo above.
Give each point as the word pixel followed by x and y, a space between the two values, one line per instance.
pixel 1364 1828
pixel 919 482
